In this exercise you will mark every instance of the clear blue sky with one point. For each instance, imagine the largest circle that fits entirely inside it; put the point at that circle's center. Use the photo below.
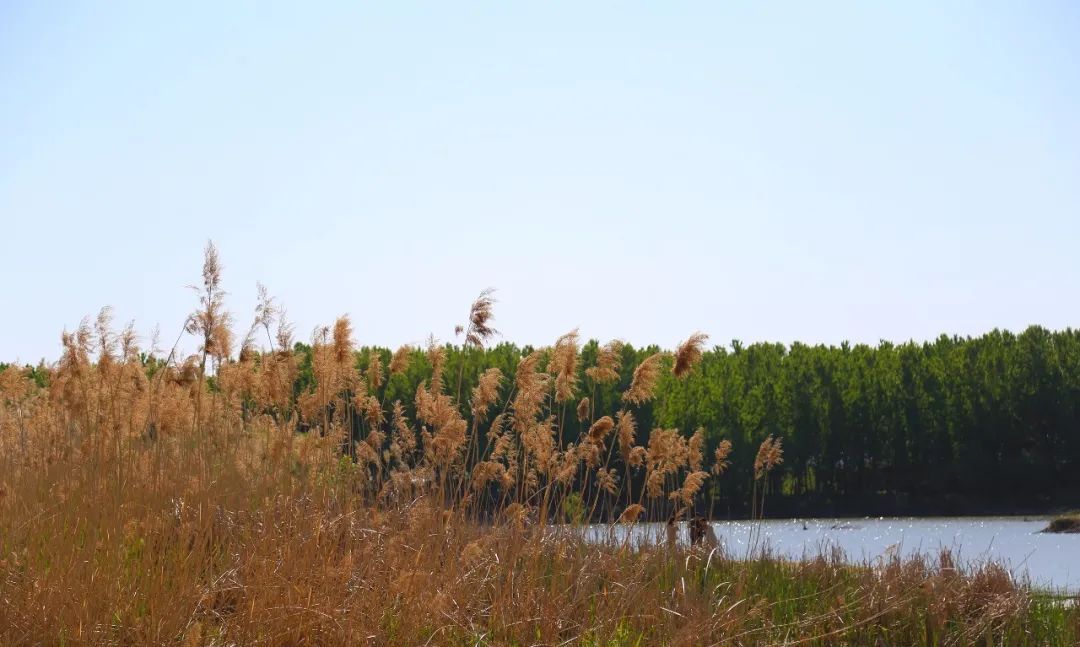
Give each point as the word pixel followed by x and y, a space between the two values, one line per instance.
pixel 761 171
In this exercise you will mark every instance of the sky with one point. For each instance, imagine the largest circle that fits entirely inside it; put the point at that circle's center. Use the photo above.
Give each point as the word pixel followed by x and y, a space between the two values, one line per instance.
pixel 759 171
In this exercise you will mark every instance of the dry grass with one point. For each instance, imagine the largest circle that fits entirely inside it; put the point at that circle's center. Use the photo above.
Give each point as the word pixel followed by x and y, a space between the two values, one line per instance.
pixel 1065 523
pixel 199 501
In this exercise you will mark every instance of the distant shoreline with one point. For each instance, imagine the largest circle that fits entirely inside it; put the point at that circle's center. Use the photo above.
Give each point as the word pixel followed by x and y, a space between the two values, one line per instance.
pixel 1064 524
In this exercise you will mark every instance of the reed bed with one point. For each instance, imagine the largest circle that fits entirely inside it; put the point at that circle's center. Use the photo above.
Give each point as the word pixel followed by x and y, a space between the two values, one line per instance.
pixel 212 499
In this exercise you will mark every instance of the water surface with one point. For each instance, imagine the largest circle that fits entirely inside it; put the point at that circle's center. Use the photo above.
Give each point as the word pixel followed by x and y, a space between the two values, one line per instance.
pixel 1050 560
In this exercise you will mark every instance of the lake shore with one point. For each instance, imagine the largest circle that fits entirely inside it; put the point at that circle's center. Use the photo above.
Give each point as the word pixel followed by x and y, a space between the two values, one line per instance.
pixel 1016 543
pixel 1064 524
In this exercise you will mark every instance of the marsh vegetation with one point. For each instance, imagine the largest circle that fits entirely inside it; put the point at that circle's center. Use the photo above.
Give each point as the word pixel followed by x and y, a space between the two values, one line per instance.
pixel 261 491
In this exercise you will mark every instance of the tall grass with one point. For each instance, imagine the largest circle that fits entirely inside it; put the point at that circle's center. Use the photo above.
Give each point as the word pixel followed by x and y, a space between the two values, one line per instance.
pixel 203 500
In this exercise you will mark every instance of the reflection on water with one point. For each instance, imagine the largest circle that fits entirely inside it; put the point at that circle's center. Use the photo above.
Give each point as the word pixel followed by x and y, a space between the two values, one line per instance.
pixel 1050 561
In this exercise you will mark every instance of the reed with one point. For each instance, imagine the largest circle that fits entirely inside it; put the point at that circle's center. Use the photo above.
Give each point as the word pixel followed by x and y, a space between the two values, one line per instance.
pixel 1064 523
pixel 214 499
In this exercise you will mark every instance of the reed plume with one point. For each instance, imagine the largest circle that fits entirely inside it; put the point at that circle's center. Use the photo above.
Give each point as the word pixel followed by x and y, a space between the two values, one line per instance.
pixel 343 344
pixel 481 314
pixel 625 429
pixel 487 472
pixel 631 513
pixel 399 363
pixel 374 372
pixel 600 429
pixel 720 457
pixel 496 428
pixel 691 485
pixel 590 453
pixel 770 454
pixel 531 388
pixel 403 437
pixel 284 333
pixel 607 480
pixel 486 392
pixel 688 354
pixel 266 312
pixel 210 320
pixel 445 442
pixel 695 449
pixel 583 410
pixel 222 340
pixel 372 410
pixel 436 357
pixel 608 362
pixel 564 366
pixel 106 342
pixel 644 381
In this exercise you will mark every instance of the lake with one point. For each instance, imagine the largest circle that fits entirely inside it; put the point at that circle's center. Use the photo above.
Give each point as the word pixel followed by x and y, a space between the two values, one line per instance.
pixel 1051 561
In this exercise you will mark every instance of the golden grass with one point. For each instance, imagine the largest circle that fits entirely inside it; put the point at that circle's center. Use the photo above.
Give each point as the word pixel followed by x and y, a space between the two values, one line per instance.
pixel 1064 523
pixel 199 501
